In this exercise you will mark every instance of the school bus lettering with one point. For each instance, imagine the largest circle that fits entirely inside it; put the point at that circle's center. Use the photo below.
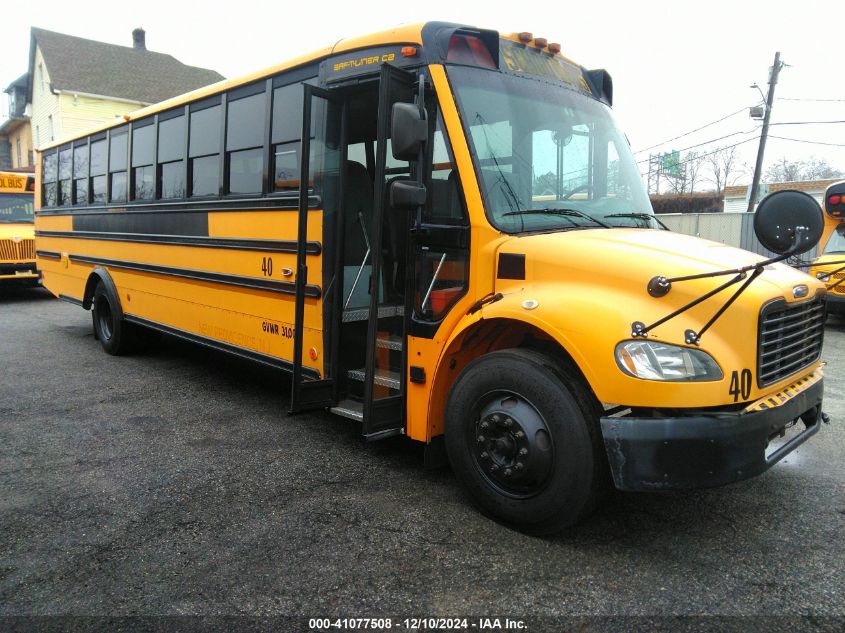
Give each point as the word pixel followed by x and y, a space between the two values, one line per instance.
pixel 555 339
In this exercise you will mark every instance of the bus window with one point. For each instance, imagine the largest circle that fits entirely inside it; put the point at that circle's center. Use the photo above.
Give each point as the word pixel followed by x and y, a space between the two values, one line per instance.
pixel 98 171
pixel 80 174
pixel 48 178
pixel 171 157
pixel 244 143
pixel 117 166
pixel 204 152
pixel 143 157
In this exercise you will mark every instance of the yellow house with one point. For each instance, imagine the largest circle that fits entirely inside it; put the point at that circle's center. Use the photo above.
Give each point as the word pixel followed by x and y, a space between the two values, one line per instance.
pixel 75 83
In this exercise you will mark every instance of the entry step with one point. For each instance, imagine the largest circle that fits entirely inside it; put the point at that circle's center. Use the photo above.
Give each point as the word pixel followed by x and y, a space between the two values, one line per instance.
pixel 383 377
pixel 362 314
pixel 389 342
pixel 349 409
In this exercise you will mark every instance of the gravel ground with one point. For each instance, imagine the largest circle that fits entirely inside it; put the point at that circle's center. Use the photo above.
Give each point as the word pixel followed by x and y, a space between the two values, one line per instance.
pixel 173 483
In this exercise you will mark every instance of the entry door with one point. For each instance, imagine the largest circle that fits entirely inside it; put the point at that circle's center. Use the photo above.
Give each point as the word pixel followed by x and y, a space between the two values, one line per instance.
pixel 322 170
pixel 386 353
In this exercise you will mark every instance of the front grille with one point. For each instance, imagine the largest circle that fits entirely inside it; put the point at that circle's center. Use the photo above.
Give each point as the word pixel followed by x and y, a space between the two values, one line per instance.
pixel 790 339
pixel 840 289
pixel 17 251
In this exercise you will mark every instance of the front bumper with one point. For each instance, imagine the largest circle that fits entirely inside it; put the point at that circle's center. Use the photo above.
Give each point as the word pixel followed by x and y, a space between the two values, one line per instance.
pixel 18 271
pixel 706 449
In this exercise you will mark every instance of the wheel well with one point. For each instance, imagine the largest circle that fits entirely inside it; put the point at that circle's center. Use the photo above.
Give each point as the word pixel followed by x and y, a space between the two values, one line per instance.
pixel 100 275
pixel 490 335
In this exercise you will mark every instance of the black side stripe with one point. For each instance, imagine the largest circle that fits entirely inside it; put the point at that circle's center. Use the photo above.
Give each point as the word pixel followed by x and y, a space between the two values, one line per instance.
pixel 273 203
pixel 264 359
pixel 48 254
pixel 269 285
pixel 73 300
pixel 273 246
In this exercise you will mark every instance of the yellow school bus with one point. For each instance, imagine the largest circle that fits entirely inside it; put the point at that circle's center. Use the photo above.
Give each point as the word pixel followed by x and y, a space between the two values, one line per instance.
pixel 17 235
pixel 829 266
pixel 440 232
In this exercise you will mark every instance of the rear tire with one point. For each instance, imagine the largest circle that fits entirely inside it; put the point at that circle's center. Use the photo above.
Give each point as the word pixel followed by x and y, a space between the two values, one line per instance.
pixel 115 335
pixel 522 437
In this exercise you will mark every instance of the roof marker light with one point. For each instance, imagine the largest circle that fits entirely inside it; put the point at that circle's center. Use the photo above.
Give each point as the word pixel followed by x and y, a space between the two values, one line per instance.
pixel 525 37
pixel 541 42
pixel 554 48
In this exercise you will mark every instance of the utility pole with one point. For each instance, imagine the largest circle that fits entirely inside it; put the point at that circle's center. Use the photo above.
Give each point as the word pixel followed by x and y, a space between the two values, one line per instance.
pixel 770 98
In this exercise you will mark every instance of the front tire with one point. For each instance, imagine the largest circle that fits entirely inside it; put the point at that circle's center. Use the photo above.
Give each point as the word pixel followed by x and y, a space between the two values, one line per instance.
pixel 522 437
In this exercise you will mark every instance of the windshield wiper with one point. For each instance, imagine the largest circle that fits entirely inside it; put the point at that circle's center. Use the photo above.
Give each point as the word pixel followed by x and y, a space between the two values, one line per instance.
pixel 571 213
pixel 638 216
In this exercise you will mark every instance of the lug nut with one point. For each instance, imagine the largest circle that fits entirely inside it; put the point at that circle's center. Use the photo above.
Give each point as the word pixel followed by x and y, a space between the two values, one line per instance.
pixel 519 466
pixel 481 439
pixel 519 435
pixel 485 425
pixel 523 452
pixel 508 472
pixel 508 422
pixel 494 468
pixel 484 455
pixel 495 418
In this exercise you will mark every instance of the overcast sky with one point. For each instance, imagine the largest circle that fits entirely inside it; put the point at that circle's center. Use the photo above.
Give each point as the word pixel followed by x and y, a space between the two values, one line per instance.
pixel 676 66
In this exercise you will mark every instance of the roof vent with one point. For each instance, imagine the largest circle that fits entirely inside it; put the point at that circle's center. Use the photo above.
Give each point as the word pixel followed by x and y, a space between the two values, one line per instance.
pixel 139 39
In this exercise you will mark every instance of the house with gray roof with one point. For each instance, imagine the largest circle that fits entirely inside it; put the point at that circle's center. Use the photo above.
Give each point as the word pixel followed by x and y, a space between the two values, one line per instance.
pixel 76 83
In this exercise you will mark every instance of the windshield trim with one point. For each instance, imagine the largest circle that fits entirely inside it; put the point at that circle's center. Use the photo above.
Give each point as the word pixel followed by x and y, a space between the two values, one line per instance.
pixel 464 119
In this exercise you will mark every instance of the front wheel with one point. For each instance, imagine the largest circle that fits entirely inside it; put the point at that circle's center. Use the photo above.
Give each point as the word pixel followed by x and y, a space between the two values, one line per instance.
pixel 522 438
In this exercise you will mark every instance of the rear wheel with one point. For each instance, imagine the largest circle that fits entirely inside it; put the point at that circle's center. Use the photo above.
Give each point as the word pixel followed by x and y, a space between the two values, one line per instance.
pixel 115 335
pixel 522 437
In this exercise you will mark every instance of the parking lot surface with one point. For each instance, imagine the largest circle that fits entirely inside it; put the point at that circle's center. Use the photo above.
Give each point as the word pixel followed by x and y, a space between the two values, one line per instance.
pixel 174 483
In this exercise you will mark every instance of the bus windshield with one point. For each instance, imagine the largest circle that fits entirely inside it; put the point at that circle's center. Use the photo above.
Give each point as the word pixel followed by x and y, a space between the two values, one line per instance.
pixel 16 207
pixel 548 158
pixel 836 243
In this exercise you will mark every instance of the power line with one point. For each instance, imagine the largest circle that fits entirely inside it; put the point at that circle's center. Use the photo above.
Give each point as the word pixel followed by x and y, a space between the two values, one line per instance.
pixel 802 99
pixel 800 140
pixel 806 122
pixel 713 140
pixel 715 151
pixel 640 151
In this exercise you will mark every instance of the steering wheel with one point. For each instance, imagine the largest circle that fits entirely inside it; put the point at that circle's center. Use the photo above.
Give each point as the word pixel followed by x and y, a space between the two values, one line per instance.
pixel 579 189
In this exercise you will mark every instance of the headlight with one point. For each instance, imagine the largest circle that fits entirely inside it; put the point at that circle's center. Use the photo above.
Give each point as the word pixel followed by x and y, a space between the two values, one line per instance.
pixel 823 277
pixel 658 361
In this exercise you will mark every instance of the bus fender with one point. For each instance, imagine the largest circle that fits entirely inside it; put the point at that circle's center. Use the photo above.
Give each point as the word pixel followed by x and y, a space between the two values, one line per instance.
pixel 101 275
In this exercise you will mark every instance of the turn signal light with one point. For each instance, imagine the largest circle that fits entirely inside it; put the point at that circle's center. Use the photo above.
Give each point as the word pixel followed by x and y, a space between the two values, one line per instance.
pixel 409 51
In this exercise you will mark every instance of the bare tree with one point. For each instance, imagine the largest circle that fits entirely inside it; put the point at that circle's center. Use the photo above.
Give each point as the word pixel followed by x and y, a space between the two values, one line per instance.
pixel 813 168
pixel 694 161
pixel 725 167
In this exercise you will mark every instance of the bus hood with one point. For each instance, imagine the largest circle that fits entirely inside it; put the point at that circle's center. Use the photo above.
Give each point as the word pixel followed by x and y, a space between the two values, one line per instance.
pixel 629 258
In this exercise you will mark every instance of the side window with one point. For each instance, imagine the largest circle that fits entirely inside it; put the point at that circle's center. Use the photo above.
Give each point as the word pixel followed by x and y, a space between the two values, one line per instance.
pixel 285 135
pixel 245 143
pixel 171 157
pixel 80 174
pixel 143 157
pixel 204 152
pixel 117 165
pixel 445 202
pixel 65 173
pixel 49 164
pixel 97 181
pixel 443 272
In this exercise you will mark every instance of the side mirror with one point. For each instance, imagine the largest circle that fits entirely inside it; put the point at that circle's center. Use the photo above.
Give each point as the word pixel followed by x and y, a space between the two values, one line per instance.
pixel 788 222
pixel 407 194
pixel 408 131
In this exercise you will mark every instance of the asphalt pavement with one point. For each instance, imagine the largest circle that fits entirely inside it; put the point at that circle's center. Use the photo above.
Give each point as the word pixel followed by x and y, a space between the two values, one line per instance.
pixel 174 483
